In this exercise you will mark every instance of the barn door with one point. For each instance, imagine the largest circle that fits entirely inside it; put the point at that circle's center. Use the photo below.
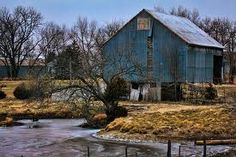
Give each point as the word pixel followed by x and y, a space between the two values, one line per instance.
pixel 217 69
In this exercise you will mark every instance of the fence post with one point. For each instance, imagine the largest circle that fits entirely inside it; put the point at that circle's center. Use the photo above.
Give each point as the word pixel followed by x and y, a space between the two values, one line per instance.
pixel 179 150
pixel 126 151
pixel 169 149
pixel 224 96
pixel 204 148
pixel 88 151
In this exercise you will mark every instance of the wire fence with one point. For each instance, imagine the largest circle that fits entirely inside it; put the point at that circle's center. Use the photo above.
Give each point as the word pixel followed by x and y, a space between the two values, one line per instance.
pixel 182 148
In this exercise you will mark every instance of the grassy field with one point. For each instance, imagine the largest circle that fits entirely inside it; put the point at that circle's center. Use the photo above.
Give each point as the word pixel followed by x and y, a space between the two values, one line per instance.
pixel 179 120
pixel 174 121
pixel 20 109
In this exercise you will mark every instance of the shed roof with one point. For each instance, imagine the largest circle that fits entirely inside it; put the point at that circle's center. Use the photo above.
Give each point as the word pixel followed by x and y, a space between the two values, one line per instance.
pixel 186 30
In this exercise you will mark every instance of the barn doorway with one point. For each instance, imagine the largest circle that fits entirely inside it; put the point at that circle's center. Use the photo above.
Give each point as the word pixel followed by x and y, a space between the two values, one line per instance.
pixel 217 69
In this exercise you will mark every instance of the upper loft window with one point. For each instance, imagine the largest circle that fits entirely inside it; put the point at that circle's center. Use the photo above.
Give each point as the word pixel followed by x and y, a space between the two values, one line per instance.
pixel 143 23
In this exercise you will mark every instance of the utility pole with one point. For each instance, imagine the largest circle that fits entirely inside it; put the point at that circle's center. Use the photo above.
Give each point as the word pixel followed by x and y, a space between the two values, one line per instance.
pixel 70 66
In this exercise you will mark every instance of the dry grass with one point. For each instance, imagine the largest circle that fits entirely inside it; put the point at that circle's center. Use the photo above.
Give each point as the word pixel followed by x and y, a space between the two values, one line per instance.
pixel 176 122
pixel 227 91
pixel 20 109
pixel 10 87
pixel 24 109
pixel 7 122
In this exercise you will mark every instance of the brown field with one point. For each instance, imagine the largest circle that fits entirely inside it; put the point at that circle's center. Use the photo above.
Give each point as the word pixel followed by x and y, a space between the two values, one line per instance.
pixel 179 120
pixel 20 109
pixel 10 86
pixel 175 122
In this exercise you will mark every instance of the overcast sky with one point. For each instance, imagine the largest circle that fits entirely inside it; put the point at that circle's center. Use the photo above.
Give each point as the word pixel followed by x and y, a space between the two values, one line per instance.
pixel 103 11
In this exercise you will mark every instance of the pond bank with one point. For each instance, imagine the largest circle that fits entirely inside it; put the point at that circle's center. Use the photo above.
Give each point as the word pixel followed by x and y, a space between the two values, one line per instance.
pixel 12 109
pixel 188 148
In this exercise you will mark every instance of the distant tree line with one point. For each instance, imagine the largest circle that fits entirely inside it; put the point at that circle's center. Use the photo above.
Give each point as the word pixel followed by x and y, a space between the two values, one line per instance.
pixel 25 36
pixel 221 29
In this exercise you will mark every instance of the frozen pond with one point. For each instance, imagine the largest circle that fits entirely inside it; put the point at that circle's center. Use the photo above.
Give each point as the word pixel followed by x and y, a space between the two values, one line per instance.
pixel 63 137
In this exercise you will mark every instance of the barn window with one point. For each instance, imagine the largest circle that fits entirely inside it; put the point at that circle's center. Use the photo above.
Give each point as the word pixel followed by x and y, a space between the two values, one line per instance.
pixel 143 24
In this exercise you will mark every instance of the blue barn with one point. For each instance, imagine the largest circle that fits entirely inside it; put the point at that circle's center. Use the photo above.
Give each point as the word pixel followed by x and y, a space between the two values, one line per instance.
pixel 171 48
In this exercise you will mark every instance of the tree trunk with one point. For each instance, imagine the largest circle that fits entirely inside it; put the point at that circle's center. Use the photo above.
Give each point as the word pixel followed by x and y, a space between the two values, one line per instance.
pixel 12 71
pixel 114 111
pixel 15 72
pixel 110 111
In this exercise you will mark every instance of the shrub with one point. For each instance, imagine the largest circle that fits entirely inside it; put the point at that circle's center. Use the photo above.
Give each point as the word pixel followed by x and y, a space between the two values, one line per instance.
pixel 41 87
pixel 116 112
pixel 2 95
pixel 211 92
pixel 22 92
pixel 116 90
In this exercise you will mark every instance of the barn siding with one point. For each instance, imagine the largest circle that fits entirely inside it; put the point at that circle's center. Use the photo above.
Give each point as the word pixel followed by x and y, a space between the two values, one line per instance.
pixel 165 43
pixel 128 39
pixel 194 63
pixel 200 64
pixel 166 46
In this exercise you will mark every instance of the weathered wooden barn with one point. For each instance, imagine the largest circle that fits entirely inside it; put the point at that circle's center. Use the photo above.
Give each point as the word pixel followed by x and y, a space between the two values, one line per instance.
pixel 172 49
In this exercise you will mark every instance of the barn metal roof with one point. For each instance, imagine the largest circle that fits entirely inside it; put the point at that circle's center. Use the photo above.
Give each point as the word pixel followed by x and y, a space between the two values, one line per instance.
pixel 186 30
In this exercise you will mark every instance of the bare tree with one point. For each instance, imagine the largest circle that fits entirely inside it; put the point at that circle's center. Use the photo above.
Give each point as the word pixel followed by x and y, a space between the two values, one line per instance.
pixel 193 15
pixel 100 73
pixel 205 25
pixel 222 30
pixel 68 62
pixel 53 41
pixel 18 40
pixel 110 29
pixel 181 11
pixel 230 46
pixel 159 9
